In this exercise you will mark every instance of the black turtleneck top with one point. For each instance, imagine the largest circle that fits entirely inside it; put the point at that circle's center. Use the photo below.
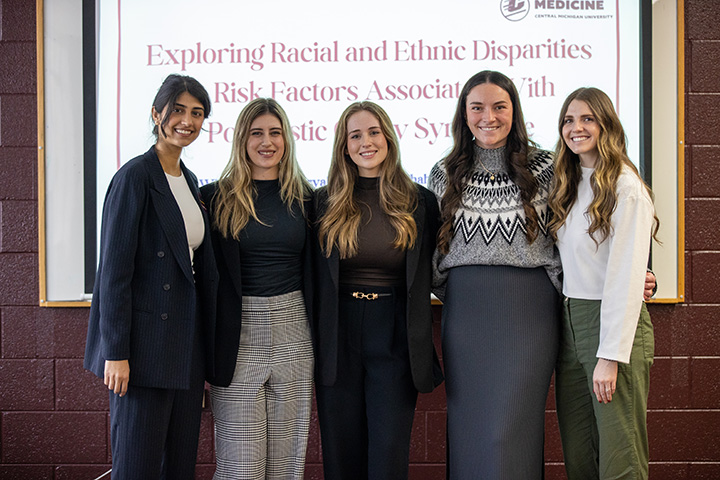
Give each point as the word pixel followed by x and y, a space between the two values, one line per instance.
pixel 271 254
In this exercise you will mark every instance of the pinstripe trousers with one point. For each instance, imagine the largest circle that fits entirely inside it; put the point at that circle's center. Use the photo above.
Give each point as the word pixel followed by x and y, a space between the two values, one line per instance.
pixel 154 431
pixel 262 418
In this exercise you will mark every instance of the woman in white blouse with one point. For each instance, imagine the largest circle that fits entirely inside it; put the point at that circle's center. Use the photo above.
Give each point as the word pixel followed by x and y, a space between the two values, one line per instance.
pixel 604 220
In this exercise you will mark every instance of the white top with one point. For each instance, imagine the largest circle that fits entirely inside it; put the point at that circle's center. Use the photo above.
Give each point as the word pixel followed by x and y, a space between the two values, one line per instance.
pixel 192 216
pixel 614 271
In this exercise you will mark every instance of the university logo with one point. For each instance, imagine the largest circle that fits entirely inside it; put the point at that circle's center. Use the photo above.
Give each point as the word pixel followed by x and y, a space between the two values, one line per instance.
pixel 514 10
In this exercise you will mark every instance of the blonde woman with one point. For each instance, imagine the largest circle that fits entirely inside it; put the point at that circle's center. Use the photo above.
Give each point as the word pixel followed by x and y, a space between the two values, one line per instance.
pixel 373 319
pixel 604 220
pixel 262 384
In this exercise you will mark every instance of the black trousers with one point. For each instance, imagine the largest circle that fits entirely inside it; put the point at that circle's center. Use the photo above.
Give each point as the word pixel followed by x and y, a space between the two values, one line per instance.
pixel 154 431
pixel 366 416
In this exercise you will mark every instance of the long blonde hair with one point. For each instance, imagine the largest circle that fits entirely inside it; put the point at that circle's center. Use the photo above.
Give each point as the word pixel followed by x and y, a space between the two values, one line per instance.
pixel 234 200
pixel 612 159
pixel 338 227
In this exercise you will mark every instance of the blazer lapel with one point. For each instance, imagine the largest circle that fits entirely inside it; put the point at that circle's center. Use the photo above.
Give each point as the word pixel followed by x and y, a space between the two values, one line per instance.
pixel 333 262
pixel 168 212
pixel 412 257
pixel 228 247
pixel 334 266
pixel 231 254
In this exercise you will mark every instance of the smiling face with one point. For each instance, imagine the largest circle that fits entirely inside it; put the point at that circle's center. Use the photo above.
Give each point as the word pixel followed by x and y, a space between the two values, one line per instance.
pixel 489 115
pixel 183 124
pixel 581 131
pixel 265 147
pixel 366 143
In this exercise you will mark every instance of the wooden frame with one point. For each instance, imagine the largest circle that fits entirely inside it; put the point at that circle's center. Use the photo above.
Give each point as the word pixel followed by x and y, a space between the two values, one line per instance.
pixel 42 231
pixel 679 149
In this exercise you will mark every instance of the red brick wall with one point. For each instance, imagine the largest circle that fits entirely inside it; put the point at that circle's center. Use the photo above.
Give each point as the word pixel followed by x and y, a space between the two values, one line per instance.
pixel 53 415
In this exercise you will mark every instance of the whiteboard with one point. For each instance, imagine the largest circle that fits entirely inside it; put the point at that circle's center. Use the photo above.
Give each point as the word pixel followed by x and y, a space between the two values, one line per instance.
pixel 63 153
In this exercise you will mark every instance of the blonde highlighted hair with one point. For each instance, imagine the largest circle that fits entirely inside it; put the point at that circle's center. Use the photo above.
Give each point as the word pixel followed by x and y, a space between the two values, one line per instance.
pixel 338 226
pixel 612 159
pixel 234 201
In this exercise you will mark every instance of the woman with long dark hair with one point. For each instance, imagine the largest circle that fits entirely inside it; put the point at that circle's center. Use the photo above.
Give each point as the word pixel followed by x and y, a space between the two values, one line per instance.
pixel 497 273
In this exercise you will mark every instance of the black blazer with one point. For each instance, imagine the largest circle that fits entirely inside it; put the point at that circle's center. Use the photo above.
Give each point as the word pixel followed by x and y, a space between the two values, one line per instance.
pixel 229 298
pixel 424 363
pixel 145 299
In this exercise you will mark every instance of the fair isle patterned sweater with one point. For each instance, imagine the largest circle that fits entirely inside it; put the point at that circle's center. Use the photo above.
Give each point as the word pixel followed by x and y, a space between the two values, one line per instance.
pixel 489 227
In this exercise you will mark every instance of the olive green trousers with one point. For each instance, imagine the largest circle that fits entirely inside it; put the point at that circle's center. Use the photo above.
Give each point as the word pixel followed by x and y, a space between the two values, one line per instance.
pixel 602 441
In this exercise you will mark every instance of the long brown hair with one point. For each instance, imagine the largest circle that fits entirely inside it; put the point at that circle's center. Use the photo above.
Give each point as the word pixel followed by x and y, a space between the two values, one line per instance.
pixel 234 200
pixel 612 159
pixel 460 160
pixel 338 226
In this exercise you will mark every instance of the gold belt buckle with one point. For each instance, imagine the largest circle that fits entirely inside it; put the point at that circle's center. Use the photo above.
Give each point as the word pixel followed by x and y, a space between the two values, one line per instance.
pixel 366 296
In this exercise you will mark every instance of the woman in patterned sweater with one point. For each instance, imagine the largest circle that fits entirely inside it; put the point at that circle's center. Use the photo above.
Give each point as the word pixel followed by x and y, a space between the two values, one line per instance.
pixel 497 272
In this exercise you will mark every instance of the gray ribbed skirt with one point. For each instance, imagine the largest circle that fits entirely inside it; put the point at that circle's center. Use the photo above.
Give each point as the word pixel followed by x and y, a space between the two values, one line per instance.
pixel 500 342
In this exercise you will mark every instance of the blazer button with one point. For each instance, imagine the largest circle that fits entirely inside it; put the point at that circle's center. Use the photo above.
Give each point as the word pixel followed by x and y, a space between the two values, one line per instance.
pixel 166 287
pixel 161 254
pixel 164 316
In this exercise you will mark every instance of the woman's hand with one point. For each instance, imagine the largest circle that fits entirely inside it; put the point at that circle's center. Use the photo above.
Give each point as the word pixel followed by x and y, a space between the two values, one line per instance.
pixel 650 286
pixel 117 376
pixel 605 379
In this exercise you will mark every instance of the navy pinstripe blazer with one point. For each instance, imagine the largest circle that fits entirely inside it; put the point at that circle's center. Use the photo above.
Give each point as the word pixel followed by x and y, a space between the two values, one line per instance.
pixel 146 295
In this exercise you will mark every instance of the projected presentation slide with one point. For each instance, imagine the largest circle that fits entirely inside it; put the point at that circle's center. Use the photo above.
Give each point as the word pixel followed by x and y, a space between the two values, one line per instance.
pixel 317 57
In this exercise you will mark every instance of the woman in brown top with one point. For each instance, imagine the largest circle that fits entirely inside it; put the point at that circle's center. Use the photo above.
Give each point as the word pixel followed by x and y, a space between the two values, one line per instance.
pixel 372 316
